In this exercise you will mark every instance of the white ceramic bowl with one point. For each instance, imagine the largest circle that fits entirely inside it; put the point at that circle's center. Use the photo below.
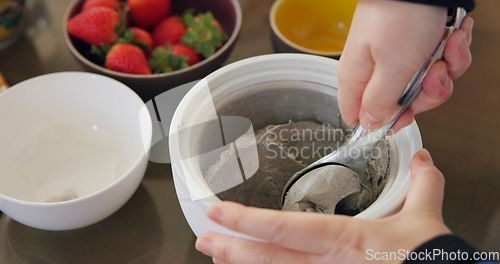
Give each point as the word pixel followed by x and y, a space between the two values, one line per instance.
pixel 73 149
pixel 267 89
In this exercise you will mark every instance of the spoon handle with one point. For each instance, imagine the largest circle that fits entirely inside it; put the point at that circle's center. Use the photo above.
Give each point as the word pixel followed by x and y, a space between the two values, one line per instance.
pixel 414 86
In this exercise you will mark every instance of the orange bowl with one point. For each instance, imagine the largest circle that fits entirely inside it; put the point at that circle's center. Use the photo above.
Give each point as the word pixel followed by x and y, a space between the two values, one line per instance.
pixel 317 27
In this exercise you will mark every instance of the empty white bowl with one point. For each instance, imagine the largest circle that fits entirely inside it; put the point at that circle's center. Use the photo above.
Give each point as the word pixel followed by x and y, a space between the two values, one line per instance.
pixel 268 89
pixel 73 149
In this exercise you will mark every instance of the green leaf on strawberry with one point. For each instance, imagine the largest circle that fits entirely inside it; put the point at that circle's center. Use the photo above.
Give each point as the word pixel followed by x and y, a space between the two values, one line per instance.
pixel 121 28
pixel 162 60
pixel 100 51
pixel 203 33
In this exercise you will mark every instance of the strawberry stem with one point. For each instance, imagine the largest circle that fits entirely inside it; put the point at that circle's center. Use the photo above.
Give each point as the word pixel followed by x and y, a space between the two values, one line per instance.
pixel 162 60
pixel 203 34
pixel 100 51
pixel 121 28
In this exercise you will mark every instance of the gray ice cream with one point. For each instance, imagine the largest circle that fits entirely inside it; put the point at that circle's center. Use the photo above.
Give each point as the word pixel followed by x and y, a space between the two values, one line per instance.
pixel 286 149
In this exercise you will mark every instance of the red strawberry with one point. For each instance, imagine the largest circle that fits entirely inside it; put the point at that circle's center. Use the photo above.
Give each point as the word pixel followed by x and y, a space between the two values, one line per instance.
pixel 183 50
pixel 115 4
pixel 127 58
pixel 147 13
pixel 96 26
pixel 142 37
pixel 169 30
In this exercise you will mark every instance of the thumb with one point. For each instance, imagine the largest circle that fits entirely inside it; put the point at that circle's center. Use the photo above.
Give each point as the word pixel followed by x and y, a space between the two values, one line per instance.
pixel 427 185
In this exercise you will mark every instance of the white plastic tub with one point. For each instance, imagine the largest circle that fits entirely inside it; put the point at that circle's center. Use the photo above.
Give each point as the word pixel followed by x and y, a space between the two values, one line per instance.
pixel 266 89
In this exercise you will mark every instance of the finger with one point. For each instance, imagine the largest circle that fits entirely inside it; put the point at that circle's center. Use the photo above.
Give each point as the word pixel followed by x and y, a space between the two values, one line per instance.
pixel 467 26
pixel 226 249
pixel 354 70
pixel 437 88
pixel 382 92
pixel 288 229
pixel 427 185
pixel 457 53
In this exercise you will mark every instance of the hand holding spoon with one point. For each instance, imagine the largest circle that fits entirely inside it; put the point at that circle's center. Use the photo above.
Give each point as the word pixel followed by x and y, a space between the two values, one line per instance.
pixel 340 176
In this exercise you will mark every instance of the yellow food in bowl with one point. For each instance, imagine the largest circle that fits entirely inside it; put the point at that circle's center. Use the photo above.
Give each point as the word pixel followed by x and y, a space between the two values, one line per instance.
pixel 315 26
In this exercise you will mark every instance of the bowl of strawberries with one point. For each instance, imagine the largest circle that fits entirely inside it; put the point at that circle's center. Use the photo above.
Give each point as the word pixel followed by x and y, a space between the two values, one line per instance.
pixel 152 45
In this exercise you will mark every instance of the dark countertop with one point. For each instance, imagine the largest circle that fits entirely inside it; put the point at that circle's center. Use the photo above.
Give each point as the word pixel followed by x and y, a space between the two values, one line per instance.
pixel 462 136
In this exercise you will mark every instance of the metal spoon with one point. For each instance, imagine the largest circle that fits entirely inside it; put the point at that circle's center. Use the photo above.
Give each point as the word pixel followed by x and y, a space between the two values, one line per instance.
pixel 340 176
